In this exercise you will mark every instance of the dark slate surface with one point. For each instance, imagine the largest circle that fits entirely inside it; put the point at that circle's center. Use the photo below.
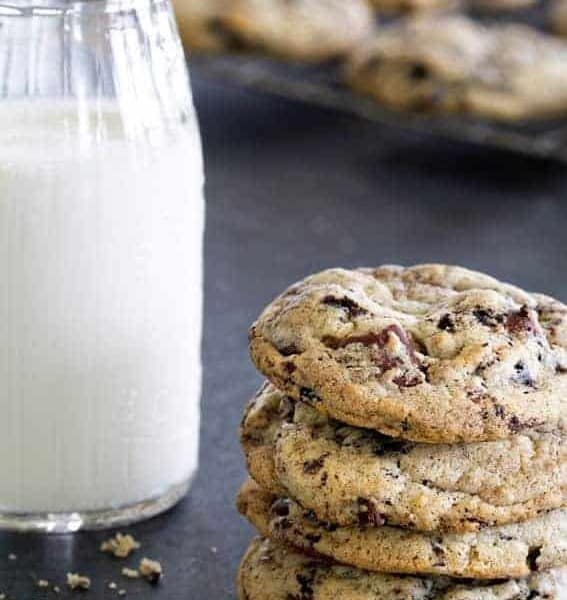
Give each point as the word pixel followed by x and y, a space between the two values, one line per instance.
pixel 292 190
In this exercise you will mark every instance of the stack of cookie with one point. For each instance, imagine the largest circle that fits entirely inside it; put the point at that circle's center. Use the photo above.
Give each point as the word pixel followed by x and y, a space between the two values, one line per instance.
pixel 410 443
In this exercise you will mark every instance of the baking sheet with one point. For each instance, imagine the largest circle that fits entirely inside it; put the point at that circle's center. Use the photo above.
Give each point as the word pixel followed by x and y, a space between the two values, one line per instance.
pixel 321 86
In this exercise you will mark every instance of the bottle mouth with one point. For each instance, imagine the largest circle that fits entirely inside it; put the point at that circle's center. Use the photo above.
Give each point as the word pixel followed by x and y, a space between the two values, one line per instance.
pixel 23 8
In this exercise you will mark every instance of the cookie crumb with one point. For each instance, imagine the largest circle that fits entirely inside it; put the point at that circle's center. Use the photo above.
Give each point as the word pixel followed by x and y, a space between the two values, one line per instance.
pixel 42 583
pixel 151 570
pixel 130 573
pixel 12 556
pixel 120 546
pixel 78 582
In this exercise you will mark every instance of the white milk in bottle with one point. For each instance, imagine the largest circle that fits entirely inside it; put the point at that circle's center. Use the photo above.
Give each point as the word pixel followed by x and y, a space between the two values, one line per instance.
pixel 100 310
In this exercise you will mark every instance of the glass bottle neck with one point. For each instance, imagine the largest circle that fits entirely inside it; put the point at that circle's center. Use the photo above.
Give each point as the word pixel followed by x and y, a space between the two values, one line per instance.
pixel 92 52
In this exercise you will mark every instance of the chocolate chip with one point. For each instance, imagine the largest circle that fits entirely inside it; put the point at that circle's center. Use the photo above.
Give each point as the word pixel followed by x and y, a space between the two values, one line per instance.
pixel 281 508
pixel 352 308
pixel 313 538
pixel 312 467
pixel 387 445
pixel 520 322
pixel 228 37
pixel 308 396
pixel 305 581
pixel 289 350
pixel 439 552
pixel 368 514
pixel 289 367
pixel 499 411
pixel 446 323
pixel 514 424
pixel 532 558
pixel 522 375
pixel 408 380
pixel 419 72
pixel 487 318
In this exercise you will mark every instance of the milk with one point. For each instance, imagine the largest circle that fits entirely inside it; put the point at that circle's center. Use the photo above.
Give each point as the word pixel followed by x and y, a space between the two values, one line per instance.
pixel 100 309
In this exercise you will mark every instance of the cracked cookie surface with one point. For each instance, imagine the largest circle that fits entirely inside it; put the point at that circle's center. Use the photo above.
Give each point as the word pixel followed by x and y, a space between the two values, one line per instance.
pixel 452 64
pixel 493 553
pixel 352 476
pixel 429 353
pixel 270 571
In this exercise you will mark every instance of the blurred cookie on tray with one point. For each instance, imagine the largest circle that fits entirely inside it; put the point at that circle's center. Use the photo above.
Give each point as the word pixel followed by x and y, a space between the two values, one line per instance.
pixel 452 64
pixel 200 25
pixel 559 17
pixel 501 5
pixel 304 30
pixel 309 30
pixel 410 6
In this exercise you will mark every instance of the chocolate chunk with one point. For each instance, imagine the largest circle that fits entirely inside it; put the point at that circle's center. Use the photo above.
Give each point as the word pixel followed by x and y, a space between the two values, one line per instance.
pixel 419 72
pixel 308 396
pixel 383 360
pixel 312 467
pixel 289 367
pixel 446 323
pixel 229 38
pixel 352 308
pixel 522 375
pixel 408 380
pixel 520 322
pixel 305 581
pixel 368 514
pixel 439 552
pixel 532 558
pixel 514 424
pixel 289 350
pixel 313 538
pixel 280 508
pixel 499 410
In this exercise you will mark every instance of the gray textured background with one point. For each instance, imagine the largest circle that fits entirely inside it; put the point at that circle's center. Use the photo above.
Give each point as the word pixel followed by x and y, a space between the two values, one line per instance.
pixel 291 190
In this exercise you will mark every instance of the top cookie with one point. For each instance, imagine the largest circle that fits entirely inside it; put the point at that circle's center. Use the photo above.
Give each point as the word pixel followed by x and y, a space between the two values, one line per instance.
pixel 429 353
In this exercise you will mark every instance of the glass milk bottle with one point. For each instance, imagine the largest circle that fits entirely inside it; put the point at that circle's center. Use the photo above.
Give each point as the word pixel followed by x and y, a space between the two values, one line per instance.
pixel 101 226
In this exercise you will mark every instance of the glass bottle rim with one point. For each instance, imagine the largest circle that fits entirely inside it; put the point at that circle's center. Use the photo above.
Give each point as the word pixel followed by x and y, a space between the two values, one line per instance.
pixel 48 7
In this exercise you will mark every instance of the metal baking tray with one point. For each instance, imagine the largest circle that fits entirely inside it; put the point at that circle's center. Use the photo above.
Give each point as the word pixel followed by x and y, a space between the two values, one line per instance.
pixel 321 85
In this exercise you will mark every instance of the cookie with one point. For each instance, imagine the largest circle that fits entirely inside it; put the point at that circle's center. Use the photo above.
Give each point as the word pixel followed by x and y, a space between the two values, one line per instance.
pixel 493 553
pixel 304 30
pixel 270 571
pixel 451 64
pixel 501 5
pixel 200 25
pixel 430 353
pixel 410 6
pixel 559 17
pixel 351 476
